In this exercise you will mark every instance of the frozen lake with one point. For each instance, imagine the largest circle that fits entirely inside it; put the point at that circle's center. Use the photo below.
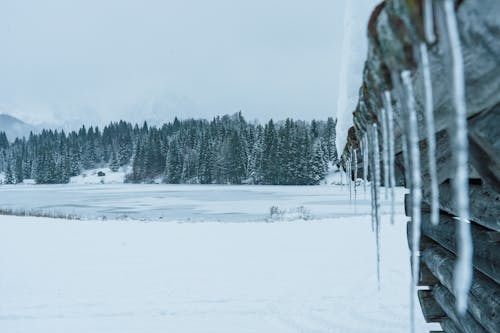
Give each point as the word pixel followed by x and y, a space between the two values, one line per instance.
pixel 184 202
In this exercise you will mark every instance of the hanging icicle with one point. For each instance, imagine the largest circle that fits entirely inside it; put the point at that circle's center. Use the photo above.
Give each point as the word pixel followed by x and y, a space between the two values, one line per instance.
pixel 365 161
pixel 390 138
pixel 414 159
pixel 349 175
pixel 431 137
pixel 341 178
pixel 463 268
pixel 371 172
pixel 430 35
pixel 376 194
pixel 355 161
pixel 415 183
pixel 385 152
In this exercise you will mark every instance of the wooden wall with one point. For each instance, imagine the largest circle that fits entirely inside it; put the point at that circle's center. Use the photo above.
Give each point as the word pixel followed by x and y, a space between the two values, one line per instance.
pixel 395 30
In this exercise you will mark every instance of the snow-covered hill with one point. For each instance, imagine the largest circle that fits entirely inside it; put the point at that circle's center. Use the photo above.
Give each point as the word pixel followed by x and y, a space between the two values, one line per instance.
pixel 14 128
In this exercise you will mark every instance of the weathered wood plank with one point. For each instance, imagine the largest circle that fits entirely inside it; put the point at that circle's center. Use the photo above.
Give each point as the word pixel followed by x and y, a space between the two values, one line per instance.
pixel 486 253
pixel 494 236
pixel 426 277
pixel 450 327
pixel 424 207
pixel 484 200
pixel 430 308
pixel 484 204
pixel 447 302
pixel 485 146
pixel 484 296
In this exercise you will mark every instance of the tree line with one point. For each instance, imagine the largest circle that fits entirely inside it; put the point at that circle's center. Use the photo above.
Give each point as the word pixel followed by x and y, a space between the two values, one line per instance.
pixel 225 150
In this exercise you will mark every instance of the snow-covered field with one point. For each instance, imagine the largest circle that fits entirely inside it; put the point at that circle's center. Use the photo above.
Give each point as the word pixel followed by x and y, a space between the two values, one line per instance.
pixel 133 276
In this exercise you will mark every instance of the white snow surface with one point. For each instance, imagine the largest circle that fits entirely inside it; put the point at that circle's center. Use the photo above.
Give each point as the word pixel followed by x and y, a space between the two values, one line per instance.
pixel 132 276
pixel 91 176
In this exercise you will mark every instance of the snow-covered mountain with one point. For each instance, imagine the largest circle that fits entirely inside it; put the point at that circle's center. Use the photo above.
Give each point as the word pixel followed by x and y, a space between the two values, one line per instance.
pixel 14 127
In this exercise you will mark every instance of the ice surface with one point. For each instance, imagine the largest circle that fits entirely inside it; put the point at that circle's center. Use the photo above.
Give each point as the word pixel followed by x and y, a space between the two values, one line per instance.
pixel 179 202
pixel 130 276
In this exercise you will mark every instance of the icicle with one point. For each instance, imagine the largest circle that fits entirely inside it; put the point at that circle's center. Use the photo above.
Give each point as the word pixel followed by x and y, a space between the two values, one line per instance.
pixel 390 138
pixel 430 35
pixel 431 138
pixel 415 181
pixel 355 178
pixel 385 151
pixel 365 161
pixel 349 179
pixel 376 189
pixel 463 268
pixel 372 182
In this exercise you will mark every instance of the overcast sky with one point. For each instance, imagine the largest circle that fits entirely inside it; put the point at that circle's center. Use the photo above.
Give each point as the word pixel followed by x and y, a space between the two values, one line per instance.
pixel 64 61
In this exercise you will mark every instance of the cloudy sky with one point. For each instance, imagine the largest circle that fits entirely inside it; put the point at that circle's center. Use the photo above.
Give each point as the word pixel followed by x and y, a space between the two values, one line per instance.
pixel 67 61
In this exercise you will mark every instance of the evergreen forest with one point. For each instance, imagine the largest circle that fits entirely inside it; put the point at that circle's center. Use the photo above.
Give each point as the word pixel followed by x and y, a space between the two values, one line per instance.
pixel 225 150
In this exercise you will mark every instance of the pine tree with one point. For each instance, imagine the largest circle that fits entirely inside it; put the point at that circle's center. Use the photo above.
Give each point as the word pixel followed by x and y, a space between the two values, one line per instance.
pixel 318 165
pixel 18 170
pixel 9 175
pixel 235 159
pixel 4 142
pixel 174 164
pixel 206 162
pixel 114 164
pixel 270 154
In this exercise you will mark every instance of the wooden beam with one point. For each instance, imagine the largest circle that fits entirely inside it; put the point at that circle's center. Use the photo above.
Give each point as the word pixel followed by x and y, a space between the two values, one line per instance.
pixel 426 278
pixel 484 207
pixel 484 204
pixel 494 236
pixel 450 327
pixel 447 302
pixel 484 296
pixel 407 201
pixel 485 146
pixel 430 308
pixel 486 253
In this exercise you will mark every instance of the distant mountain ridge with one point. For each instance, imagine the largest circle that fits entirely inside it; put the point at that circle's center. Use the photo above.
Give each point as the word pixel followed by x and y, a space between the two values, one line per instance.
pixel 14 127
